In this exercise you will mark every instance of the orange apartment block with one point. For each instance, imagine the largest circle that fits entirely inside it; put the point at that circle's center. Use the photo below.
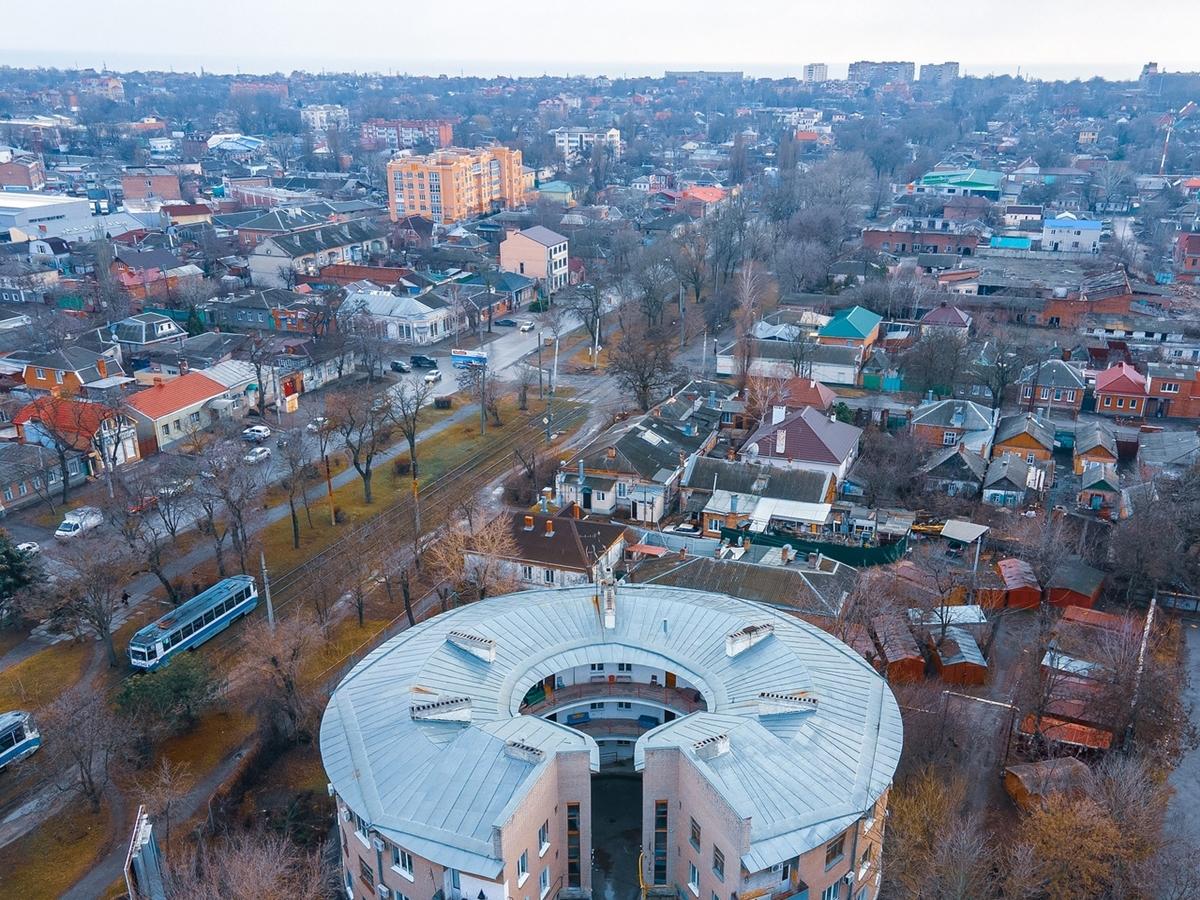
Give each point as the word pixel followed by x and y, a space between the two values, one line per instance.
pixel 455 184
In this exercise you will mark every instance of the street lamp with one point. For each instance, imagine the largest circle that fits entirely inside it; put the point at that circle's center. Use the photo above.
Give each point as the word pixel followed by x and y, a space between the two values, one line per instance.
pixel 546 422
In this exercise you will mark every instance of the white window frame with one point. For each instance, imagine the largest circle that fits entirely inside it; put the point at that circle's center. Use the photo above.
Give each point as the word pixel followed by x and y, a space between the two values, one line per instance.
pixel 402 862
pixel 522 868
pixel 544 838
pixel 693 879
pixel 544 882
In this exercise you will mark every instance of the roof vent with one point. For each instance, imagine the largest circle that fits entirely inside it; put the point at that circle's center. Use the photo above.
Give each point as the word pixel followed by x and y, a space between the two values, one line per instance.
pixel 712 747
pixel 524 752
pixel 484 648
pixel 445 709
pixel 779 703
pixel 744 638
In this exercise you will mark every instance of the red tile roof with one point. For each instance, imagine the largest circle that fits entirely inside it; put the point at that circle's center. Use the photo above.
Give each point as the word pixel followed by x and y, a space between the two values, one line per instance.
pixel 73 421
pixel 1121 379
pixel 808 392
pixel 166 397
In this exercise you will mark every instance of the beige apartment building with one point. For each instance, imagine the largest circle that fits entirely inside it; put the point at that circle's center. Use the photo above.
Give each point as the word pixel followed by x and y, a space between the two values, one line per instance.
pixel 538 253
pixel 454 184
pixel 467 755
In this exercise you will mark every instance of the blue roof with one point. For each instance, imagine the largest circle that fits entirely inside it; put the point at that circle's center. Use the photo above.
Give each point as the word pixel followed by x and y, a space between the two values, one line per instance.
pixel 1073 223
pixel 187 610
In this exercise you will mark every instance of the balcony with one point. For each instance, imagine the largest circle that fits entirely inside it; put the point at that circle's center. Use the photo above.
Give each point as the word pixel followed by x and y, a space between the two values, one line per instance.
pixel 678 700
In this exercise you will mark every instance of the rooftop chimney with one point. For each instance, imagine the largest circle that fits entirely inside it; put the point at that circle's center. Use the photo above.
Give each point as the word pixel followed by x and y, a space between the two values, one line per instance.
pixel 744 638
pixel 529 523
pixel 712 399
pixel 712 747
pixel 779 703
pixel 476 645
pixel 777 414
pixel 733 504
pixel 525 752
pixel 444 709
pixel 549 528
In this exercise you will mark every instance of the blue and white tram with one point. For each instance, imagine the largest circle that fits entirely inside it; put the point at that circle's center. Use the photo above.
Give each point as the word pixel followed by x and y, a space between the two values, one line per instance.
pixel 193 622
pixel 18 736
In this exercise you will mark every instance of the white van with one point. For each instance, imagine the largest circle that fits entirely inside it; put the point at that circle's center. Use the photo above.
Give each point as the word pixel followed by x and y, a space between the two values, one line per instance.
pixel 77 521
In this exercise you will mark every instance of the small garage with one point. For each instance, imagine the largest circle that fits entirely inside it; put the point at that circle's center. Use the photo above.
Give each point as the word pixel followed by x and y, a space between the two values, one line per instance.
pixel 1021 587
pixel 1030 783
pixel 902 658
pixel 957 657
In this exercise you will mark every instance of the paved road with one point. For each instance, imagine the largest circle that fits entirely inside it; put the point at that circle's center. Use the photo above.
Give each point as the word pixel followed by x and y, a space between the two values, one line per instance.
pixel 1183 814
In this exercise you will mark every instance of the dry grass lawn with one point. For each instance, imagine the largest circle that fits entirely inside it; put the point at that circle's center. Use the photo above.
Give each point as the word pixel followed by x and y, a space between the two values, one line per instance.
pixel 44 677
pixel 216 736
pixel 51 858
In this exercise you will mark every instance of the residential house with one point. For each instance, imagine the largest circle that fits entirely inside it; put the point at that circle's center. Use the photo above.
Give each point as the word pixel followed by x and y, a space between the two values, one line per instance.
pixel 946 320
pixel 1187 257
pixel 705 476
pixel 1025 434
pixel 154 273
pixel 948 423
pixel 955 470
pixel 30 472
pixel 68 370
pixel 281 220
pixel 635 468
pixel 1121 391
pixel 273 309
pixel 1052 384
pixel 1075 583
pixel 1066 233
pixel 1095 445
pixel 828 364
pixel 538 253
pixel 169 411
pixel 559 551
pixel 279 260
pixel 805 439
pixel 852 327
pixel 305 364
pixel 140 184
pixel 561 192
pixel 961 183
pixel 21 171
pixel 97 433
pixel 800 392
pixel 1100 492
pixel 1174 390
pixel 1007 481
pixel 419 320
pixel 1167 453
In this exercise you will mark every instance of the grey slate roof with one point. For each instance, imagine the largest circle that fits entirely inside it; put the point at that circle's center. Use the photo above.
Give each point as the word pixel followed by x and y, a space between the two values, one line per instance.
pixel 1037 427
pixel 1095 435
pixel 758 479
pixel 955 464
pixel 964 414
pixel 441 788
pixel 1052 373
pixel 543 236
pixel 1008 472
pixel 306 243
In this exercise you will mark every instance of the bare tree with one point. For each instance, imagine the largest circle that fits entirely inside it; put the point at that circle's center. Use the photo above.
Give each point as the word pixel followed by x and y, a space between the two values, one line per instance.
pixel 763 394
pixel 130 514
pixel 407 406
pixel 251 864
pixel 83 740
pixel 275 664
pixel 802 265
pixel 642 364
pixel 91 596
pixel 474 564
pixel 364 421
pixel 161 790
pixel 586 302
pixel 294 451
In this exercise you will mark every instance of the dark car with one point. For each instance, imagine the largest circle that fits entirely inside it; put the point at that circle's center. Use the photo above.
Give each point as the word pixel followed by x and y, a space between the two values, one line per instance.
pixel 506 323
pixel 422 362
pixel 399 365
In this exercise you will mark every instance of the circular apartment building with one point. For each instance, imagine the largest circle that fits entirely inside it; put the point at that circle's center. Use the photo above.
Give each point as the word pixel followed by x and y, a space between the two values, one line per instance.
pixel 461 753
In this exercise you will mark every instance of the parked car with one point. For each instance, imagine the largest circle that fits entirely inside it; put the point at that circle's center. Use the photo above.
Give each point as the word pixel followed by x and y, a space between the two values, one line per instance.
pixel 506 323
pixel 257 455
pixel 257 433
pixel 140 505
pixel 318 423
pixel 433 377
pixel 175 486
pixel 29 548
pixel 77 521
pixel 527 326
pixel 422 362
pixel 399 365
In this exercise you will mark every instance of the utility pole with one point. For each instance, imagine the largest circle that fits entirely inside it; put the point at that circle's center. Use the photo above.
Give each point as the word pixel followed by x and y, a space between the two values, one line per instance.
pixel 262 556
pixel 329 490
pixel 1137 680
pixel 483 399
pixel 541 392
pixel 682 329
pixel 704 354
pixel 416 495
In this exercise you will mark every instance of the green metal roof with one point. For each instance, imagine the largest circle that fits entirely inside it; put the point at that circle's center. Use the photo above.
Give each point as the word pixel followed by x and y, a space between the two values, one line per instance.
pixel 854 322
pixel 968 178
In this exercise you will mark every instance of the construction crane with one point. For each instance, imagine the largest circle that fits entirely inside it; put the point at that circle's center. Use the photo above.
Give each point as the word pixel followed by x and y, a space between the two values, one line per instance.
pixel 1186 110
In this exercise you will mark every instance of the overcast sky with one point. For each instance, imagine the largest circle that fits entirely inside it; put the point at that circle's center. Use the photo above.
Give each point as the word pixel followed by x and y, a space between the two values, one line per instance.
pixel 1111 38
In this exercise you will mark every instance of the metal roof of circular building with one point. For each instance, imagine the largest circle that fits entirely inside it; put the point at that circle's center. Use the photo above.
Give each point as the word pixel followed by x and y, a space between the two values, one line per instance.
pixel 423 738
